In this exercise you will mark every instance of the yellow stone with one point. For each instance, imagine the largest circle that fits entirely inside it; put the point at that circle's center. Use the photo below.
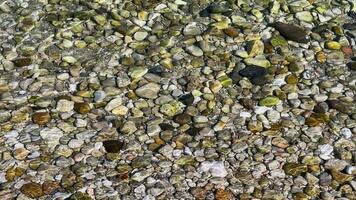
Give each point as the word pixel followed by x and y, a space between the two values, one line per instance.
pixel 333 45
pixel 121 110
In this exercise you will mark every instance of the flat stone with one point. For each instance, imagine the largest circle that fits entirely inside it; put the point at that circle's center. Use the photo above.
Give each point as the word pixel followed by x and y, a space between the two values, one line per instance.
pixel 41 118
pixel 195 51
pixel 113 104
pixel 292 32
pixel 260 61
pixel 149 91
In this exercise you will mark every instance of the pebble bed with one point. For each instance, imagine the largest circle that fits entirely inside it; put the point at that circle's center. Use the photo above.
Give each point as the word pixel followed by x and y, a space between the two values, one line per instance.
pixel 177 99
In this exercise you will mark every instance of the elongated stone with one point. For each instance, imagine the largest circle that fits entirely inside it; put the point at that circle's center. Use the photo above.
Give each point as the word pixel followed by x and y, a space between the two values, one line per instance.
pixel 292 32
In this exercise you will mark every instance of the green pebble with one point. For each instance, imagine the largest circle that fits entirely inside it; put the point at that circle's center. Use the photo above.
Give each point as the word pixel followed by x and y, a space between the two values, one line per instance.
pixel 269 101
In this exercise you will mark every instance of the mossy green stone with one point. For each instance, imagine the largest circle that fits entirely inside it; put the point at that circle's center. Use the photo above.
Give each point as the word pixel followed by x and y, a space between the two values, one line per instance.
pixel 278 41
pixel 269 101
pixel 225 81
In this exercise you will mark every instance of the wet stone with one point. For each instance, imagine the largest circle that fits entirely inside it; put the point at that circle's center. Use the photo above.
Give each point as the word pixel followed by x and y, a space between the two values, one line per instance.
pixel 32 190
pixel 294 169
pixel 113 146
pixel 292 32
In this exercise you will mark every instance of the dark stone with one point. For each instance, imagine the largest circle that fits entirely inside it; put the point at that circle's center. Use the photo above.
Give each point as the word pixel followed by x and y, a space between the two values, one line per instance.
pixel 216 8
pixel 247 103
pixel 321 107
pixel 193 131
pixel 292 32
pixel 352 66
pixel 235 76
pixel 187 99
pixel 156 70
pixel 113 146
pixel 253 71
pixel 22 62
pixel 344 107
pixel 350 26
pixel 259 80
pixel 183 118
pixel 165 127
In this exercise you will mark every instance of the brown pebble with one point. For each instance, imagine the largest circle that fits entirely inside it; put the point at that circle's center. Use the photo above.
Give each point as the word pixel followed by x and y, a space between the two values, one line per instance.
pixel 32 190
pixel 41 118
pixel 82 108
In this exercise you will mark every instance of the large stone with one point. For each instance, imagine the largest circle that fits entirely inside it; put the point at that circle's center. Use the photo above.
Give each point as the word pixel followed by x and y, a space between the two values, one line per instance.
pixel 149 91
pixel 292 32
pixel 32 190
pixel 113 104
pixel 253 71
pixel 51 136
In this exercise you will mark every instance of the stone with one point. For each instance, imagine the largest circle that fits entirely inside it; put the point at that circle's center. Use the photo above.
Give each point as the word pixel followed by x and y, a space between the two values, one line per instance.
pixel 195 51
pixel 50 187
pixel 51 136
pixel 140 35
pixel 64 105
pixel 222 194
pixel 172 108
pixel 192 29
pixel 305 16
pixel 292 32
pixel 120 110
pixel 341 177
pixel 129 127
pixel 333 45
pixel 116 102
pixel 352 66
pixel 294 169
pixel 82 107
pixel 253 71
pixel 4 116
pixel 278 41
pixel 80 196
pixel 255 48
pixel 269 101
pixel 187 99
pixel 113 146
pixel 280 142
pixel 22 62
pixel 41 118
pixel 137 72
pixel 32 190
pixel 69 59
pixel 149 91
pixel 335 57
pixel 182 118
pixel 260 61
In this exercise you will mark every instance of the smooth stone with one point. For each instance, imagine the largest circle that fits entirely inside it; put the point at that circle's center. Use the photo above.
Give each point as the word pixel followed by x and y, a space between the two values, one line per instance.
pixel 260 61
pixel 113 104
pixel 140 35
pixel 195 51
pixel 149 91
pixel 82 107
pixel 292 32
pixel 333 45
pixel 304 16
pixel 192 28
pixel 41 118
pixel 187 99
pixel 32 190
pixel 335 57
pixel 253 71
pixel 137 72
pixel 113 146
pixel 269 101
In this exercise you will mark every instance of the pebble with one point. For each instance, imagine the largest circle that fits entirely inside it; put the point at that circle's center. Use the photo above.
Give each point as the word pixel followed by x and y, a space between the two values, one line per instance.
pixel 64 106
pixel 149 91
pixel 292 32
